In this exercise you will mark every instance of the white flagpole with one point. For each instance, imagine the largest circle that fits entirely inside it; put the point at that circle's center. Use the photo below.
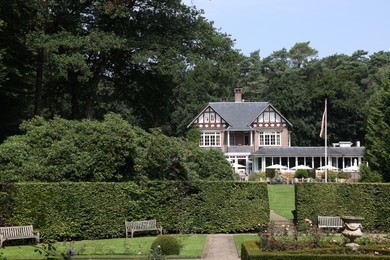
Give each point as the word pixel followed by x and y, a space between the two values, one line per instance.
pixel 326 140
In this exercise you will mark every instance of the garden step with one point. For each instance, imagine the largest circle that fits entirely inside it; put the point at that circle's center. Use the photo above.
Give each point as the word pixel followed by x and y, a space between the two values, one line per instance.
pixel 279 225
pixel 281 228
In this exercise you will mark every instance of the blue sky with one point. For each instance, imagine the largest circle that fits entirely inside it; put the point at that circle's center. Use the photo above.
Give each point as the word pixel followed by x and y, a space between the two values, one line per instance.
pixel 331 26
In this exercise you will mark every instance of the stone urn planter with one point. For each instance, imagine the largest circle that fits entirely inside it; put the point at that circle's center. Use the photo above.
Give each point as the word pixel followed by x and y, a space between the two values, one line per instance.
pixel 352 229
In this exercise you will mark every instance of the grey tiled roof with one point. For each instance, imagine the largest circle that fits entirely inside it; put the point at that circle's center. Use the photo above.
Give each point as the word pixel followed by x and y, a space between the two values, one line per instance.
pixel 239 115
pixel 310 151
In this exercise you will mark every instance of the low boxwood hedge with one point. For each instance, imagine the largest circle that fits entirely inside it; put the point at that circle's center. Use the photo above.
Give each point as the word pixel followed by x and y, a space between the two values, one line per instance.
pixel 250 251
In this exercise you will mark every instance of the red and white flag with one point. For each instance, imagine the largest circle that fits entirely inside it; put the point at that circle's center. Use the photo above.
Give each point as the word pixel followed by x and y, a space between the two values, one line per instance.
pixel 323 120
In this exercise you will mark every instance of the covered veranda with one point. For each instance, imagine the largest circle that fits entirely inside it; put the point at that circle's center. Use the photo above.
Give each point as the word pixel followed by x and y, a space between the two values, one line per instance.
pixel 314 157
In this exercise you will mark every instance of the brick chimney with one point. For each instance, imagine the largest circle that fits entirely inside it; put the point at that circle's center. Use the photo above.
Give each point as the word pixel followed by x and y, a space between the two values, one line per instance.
pixel 237 95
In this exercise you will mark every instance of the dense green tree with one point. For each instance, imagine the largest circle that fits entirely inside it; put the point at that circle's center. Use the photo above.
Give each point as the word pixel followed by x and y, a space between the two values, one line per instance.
pixel 2 67
pixel 110 150
pixel 251 80
pixel 63 150
pixel 300 54
pixel 378 126
pixel 209 76
pixel 16 92
pixel 174 158
pixel 299 93
pixel 343 83
pixel 83 59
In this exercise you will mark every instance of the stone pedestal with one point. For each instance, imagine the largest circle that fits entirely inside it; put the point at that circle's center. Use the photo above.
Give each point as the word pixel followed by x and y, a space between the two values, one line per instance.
pixel 352 229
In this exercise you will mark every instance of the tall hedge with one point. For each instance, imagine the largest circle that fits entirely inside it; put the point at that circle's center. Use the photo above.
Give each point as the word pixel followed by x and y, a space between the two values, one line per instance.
pixel 334 199
pixel 98 210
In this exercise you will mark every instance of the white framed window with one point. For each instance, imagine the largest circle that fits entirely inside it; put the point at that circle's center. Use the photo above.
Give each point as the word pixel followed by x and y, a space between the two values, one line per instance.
pixel 212 118
pixel 272 116
pixel 206 117
pixel 232 138
pixel 210 139
pixel 278 118
pixel 271 138
pixel 266 116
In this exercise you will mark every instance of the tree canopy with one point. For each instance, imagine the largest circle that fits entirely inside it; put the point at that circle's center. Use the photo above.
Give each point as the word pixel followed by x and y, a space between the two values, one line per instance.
pixel 378 126
pixel 109 150
pixel 158 63
pixel 84 59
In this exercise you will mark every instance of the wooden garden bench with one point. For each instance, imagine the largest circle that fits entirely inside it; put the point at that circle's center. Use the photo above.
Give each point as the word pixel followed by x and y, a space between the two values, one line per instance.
pixel 330 222
pixel 17 232
pixel 144 225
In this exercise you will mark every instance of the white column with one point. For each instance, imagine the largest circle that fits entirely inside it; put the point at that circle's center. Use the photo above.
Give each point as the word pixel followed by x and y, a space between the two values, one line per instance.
pixel 288 162
pixel 263 164
pixel 312 162
pixel 228 138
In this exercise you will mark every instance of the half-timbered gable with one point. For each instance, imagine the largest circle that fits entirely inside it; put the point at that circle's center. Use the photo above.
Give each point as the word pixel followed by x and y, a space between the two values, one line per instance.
pixel 210 119
pixel 270 118
pixel 272 128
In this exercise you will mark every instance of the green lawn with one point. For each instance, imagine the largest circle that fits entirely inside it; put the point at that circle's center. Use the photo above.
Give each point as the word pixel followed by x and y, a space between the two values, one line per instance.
pixel 110 248
pixel 282 199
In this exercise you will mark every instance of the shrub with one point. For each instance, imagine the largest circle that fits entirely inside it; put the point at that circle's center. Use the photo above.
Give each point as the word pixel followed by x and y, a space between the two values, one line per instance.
pixel 270 173
pixel 344 175
pixel 368 175
pixel 331 175
pixel 59 150
pixel 311 173
pixel 256 176
pixel 169 245
pixel 301 173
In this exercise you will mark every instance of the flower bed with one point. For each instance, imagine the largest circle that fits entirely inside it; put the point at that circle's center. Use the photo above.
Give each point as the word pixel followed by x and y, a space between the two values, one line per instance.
pixel 251 251
pixel 308 244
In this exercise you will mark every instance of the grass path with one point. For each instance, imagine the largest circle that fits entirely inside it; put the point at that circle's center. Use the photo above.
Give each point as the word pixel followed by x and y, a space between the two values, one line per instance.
pixel 282 199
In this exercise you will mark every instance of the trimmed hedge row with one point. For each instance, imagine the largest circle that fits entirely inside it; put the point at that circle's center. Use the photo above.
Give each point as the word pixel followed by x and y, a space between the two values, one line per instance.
pixel 334 199
pixel 250 251
pixel 67 211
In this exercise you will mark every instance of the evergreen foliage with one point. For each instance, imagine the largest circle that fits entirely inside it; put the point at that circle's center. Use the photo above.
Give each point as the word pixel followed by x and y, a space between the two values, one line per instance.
pixel 378 127
pixel 301 173
pixel 170 245
pixel 368 200
pixel 86 210
pixel 109 150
